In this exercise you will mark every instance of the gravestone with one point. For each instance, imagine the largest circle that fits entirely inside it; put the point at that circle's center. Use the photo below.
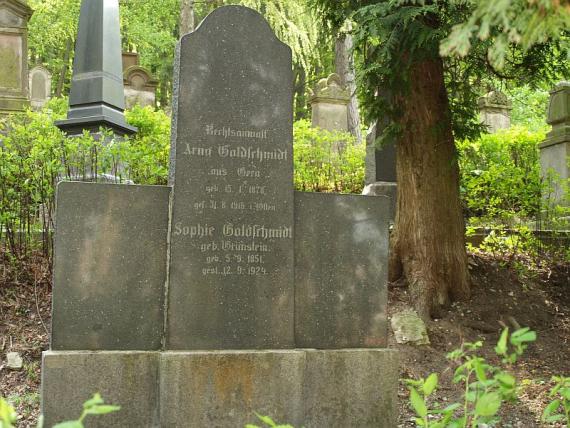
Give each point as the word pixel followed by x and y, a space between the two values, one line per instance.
pixel 243 308
pixel 555 150
pixel 232 208
pixel 495 109
pixel 14 17
pixel 329 104
pixel 140 85
pixel 380 162
pixel 40 87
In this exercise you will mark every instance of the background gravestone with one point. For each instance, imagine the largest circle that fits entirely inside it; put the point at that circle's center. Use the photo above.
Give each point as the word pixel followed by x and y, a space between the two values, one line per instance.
pixel 231 257
pixel 329 104
pixel 14 17
pixel 495 109
pixel 140 85
pixel 555 151
pixel 40 87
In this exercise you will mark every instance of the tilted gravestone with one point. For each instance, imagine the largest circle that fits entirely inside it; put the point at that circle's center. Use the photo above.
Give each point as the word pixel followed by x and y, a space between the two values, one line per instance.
pixel 227 293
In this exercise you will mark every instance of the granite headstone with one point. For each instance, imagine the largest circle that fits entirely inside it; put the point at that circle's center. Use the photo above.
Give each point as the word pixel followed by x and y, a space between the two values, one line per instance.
pixel 109 267
pixel 231 256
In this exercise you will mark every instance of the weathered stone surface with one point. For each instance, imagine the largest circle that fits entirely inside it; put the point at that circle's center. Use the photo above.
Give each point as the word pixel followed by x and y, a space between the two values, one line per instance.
pixel 40 87
pixel 231 260
pixel 555 150
pixel 384 188
pixel 224 389
pixel 329 104
pixel 14 16
pixel 127 379
pixel 336 389
pixel 495 109
pixel 109 266
pixel 350 388
pixel 408 327
pixel 14 361
pixel 341 258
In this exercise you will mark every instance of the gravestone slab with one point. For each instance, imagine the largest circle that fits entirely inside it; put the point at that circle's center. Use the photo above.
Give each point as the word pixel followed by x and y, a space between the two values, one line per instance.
pixel 231 256
pixel 341 270
pixel 109 266
pixel 40 87
pixel 127 379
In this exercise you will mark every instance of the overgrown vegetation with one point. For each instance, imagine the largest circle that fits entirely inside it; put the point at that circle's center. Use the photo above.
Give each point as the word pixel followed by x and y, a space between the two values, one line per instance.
pixel 95 406
pixel 486 387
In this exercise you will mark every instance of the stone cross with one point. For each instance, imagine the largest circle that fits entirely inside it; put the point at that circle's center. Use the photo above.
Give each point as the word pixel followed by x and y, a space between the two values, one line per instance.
pixel 226 293
pixel 14 17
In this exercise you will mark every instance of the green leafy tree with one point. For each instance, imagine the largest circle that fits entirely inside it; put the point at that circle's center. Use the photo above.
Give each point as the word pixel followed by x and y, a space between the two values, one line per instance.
pixel 426 102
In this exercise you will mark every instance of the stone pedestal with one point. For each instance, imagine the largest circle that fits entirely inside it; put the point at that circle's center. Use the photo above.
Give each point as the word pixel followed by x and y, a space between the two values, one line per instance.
pixel 555 151
pixel 384 188
pixel 495 110
pixel 14 17
pixel 329 103
pixel 310 388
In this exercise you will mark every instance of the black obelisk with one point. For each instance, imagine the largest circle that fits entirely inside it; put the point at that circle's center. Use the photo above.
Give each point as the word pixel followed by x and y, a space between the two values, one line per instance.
pixel 97 94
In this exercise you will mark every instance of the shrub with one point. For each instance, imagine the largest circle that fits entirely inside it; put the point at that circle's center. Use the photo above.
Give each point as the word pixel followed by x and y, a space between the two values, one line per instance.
pixel 319 164
pixel 500 175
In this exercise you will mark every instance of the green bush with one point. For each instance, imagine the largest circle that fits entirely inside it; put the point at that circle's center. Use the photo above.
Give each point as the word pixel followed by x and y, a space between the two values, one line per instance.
pixel 500 175
pixel 319 164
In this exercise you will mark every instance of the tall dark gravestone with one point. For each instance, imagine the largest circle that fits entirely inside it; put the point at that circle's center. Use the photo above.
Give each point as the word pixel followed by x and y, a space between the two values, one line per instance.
pixel 226 293
pixel 231 257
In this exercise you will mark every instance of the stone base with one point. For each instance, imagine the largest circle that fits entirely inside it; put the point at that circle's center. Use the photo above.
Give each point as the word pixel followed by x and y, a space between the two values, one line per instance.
pixel 310 388
pixel 384 188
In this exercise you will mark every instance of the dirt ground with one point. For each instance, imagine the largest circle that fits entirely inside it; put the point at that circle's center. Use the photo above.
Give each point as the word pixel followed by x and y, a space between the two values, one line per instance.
pixel 502 296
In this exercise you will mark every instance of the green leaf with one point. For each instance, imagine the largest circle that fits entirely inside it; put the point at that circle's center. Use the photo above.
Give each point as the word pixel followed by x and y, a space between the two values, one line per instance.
pixel 418 403
pixel 266 419
pixel 488 404
pixel 70 424
pixel 501 348
pixel 523 335
pixel 93 401
pixel 430 384
pixel 551 408
pixel 479 370
pixel 102 409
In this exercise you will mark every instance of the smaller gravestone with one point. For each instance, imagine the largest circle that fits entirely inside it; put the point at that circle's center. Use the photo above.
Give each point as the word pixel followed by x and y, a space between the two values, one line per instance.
pixel 14 17
pixel 40 87
pixel 555 151
pixel 380 176
pixel 329 104
pixel 495 109
pixel 140 85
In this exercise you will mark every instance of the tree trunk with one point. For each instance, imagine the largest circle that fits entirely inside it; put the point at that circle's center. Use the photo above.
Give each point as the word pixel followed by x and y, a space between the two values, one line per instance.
pixel 428 244
pixel 64 67
pixel 344 66
pixel 186 16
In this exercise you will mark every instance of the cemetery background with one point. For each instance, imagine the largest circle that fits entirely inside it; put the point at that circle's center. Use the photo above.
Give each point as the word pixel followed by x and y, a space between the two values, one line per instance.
pixel 154 172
